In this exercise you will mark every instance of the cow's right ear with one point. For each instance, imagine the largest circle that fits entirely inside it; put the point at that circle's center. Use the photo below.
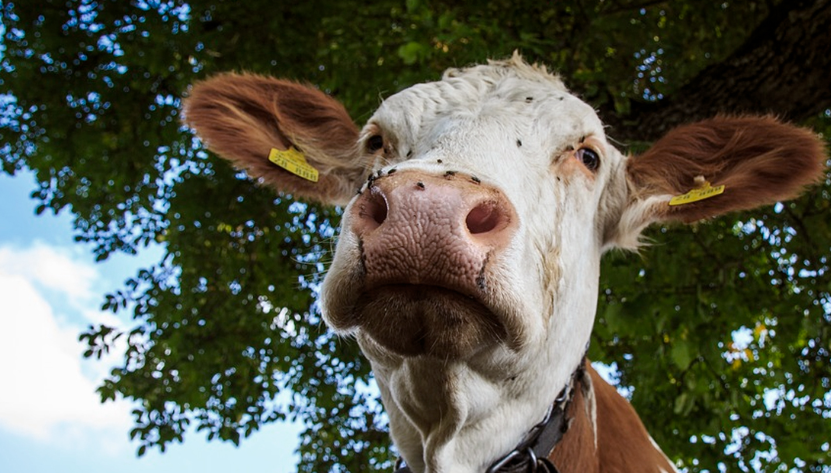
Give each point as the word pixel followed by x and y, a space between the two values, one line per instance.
pixel 715 166
pixel 257 122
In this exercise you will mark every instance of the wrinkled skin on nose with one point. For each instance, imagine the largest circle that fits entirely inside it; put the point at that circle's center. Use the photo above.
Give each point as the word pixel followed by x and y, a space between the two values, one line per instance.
pixel 427 244
pixel 424 230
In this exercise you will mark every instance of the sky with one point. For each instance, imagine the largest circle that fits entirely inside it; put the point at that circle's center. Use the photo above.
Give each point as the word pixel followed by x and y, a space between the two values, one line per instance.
pixel 51 418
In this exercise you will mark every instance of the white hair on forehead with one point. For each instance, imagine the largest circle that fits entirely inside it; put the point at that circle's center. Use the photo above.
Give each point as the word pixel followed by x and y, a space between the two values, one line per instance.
pixel 460 89
pixel 502 91
pixel 515 67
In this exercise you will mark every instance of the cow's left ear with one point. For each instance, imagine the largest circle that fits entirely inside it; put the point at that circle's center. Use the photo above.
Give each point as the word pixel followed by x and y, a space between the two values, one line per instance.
pixel 713 167
pixel 293 137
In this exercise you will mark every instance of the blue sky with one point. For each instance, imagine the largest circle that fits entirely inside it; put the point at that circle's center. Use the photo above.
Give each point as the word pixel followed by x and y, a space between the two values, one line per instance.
pixel 50 416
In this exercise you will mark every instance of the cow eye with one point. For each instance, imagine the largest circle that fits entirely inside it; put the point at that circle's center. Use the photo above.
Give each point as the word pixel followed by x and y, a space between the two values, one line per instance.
pixel 374 143
pixel 589 158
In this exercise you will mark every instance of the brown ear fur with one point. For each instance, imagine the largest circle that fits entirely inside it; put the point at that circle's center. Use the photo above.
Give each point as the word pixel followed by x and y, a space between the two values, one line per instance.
pixel 242 116
pixel 758 159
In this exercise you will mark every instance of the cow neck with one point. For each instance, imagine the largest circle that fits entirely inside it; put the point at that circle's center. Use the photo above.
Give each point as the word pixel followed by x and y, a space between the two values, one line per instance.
pixel 531 454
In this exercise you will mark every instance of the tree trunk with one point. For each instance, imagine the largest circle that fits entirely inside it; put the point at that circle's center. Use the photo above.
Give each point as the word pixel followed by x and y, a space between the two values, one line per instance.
pixel 784 68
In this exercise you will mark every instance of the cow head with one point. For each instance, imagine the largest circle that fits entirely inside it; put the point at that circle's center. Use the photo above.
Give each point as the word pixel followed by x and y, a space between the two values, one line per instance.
pixel 477 210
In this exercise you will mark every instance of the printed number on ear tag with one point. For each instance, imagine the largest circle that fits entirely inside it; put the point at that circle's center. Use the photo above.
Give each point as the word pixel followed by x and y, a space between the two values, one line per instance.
pixel 294 162
pixel 701 193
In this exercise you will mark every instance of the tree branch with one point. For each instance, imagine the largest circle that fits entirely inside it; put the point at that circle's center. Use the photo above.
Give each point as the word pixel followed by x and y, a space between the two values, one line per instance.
pixel 782 69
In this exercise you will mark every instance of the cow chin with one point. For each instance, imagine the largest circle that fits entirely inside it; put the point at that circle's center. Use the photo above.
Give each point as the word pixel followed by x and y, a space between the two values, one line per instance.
pixel 416 320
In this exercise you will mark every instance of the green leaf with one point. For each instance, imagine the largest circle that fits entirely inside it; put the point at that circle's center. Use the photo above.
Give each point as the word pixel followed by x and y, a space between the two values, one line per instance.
pixel 681 404
pixel 681 353
pixel 412 5
pixel 411 52
pixel 612 316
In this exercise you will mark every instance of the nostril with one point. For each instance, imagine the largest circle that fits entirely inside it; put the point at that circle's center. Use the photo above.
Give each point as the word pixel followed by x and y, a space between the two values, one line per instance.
pixel 483 218
pixel 375 208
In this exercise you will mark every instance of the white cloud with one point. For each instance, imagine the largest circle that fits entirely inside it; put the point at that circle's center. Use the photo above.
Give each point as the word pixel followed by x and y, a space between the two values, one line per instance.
pixel 52 268
pixel 48 393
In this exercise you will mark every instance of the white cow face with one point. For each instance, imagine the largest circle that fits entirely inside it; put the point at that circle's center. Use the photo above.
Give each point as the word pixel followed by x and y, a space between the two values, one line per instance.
pixel 482 223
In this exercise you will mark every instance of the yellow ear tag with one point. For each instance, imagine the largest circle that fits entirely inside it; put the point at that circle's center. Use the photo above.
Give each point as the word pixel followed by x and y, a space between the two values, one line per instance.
pixel 700 193
pixel 294 162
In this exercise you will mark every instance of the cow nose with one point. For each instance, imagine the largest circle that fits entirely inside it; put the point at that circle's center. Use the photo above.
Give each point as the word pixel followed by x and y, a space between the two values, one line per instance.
pixel 422 228
pixel 434 204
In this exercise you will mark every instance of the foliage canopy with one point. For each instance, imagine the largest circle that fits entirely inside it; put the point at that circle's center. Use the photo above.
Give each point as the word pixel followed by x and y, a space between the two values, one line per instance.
pixel 722 330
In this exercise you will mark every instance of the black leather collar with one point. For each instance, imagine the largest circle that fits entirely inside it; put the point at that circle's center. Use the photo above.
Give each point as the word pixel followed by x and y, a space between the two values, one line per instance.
pixel 531 454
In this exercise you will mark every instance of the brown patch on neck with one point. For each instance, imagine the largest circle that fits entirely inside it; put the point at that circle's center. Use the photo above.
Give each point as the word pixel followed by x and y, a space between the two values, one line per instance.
pixel 576 451
pixel 623 444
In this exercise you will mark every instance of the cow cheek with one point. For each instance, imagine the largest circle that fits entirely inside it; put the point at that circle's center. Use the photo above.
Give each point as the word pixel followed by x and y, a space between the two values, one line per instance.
pixel 337 293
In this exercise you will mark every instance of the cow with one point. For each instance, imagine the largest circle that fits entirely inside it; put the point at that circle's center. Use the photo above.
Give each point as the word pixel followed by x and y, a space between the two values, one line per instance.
pixel 476 211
